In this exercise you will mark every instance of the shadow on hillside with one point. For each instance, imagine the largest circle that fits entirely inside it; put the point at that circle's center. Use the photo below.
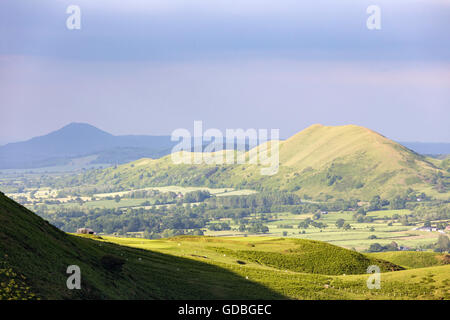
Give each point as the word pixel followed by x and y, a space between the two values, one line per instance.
pixel 153 275
pixel 42 253
pixel 173 277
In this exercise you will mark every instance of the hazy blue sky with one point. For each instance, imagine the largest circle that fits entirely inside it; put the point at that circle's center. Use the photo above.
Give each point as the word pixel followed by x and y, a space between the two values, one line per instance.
pixel 149 67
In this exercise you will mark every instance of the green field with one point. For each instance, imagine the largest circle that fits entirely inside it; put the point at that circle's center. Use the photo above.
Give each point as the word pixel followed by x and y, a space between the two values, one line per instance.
pixel 357 237
pixel 45 193
pixel 383 229
pixel 176 189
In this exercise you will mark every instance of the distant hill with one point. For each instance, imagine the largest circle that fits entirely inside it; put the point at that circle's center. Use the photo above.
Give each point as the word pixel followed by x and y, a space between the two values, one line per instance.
pixel 320 162
pixel 86 144
pixel 357 160
pixel 79 140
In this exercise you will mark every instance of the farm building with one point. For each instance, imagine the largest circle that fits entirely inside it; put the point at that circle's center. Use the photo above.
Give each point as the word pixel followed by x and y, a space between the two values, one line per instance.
pixel 427 229
pixel 85 231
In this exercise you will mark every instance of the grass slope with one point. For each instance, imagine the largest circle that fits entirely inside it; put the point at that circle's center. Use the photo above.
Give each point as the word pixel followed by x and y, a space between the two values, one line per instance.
pixel 34 257
pixel 411 259
pixel 422 283
pixel 310 256
pixel 353 159
pixel 342 161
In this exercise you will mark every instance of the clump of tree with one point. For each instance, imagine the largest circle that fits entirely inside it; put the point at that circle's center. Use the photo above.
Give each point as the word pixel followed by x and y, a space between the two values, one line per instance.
pixel 309 222
pixel 443 244
pixel 376 203
pixel 376 247
pixel 258 227
pixel 196 196
pixel 341 224
pixel 361 216
pixel 221 226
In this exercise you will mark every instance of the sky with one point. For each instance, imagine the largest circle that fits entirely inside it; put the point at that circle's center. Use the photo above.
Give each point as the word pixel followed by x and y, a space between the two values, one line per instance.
pixel 152 66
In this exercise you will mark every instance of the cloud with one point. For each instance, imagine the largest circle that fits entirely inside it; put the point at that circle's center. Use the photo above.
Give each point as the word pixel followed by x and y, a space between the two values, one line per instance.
pixel 141 97
pixel 176 29
pixel 151 66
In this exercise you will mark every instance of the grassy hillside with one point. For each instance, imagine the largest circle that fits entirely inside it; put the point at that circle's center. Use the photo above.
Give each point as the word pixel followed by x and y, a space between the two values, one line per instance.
pixel 411 259
pixel 305 256
pixel 343 162
pixel 353 159
pixel 34 257
pixel 309 256
pixel 422 283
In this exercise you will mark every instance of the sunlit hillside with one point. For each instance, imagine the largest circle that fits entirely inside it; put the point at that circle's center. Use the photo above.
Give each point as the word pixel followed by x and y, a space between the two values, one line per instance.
pixel 319 162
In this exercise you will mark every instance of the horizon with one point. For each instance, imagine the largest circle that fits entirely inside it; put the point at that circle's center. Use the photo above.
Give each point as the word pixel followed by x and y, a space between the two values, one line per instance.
pixel 282 138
